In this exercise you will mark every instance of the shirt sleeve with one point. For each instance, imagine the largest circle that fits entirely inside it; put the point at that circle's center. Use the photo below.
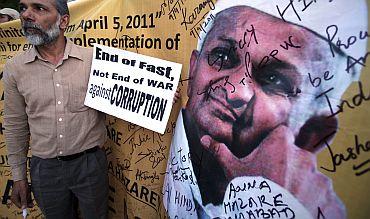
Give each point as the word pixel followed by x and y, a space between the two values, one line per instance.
pixel 16 125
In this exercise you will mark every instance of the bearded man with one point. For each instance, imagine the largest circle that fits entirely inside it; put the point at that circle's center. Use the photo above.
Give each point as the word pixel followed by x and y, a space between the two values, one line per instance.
pixel 44 108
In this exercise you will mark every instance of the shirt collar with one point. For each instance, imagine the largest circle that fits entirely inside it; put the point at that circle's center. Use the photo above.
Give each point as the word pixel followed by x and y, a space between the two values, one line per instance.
pixel 71 50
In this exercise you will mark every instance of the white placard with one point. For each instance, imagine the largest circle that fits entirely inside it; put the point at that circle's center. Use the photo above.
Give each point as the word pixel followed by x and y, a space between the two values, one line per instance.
pixel 132 87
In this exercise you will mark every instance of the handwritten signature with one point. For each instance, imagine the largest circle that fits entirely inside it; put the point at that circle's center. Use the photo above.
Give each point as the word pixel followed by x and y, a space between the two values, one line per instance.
pixel 352 153
pixel 153 156
pixel 146 175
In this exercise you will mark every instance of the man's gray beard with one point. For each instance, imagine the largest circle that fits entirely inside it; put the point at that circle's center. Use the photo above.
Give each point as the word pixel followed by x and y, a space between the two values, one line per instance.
pixel 45 36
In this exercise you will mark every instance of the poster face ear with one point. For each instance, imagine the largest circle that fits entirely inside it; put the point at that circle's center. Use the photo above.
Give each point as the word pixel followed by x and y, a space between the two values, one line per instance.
pixel 193 62
pixel 316 131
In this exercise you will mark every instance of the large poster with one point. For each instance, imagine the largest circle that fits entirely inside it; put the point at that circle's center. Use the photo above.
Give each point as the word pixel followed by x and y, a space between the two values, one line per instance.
pixel 270 77
pixel 272 120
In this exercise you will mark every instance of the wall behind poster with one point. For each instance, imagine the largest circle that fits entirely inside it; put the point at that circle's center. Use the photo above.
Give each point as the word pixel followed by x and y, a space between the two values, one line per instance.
pixel 138 157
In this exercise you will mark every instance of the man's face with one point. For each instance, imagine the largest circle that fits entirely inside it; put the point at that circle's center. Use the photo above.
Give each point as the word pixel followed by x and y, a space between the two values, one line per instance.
pixel 4 18
pixel 240 90
pixel 40 21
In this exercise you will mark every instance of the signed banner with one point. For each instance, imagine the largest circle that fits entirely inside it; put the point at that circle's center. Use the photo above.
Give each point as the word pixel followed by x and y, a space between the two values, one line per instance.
pixel 132 87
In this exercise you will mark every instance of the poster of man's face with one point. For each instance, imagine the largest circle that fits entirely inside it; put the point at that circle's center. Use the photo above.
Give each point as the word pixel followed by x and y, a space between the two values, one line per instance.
pixel 244 83
pixel 255 108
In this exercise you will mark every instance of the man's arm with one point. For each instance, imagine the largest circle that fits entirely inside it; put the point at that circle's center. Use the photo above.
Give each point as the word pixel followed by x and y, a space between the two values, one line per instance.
pixel 17 138
pixel 16 126
pixel 279 160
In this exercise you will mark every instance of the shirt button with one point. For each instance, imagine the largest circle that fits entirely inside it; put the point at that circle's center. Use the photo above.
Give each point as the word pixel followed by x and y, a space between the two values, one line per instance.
pixel 58 85
pixel 60 152
pixel 55 69
pixel 60 136
pixel 59 102
pixel 60 119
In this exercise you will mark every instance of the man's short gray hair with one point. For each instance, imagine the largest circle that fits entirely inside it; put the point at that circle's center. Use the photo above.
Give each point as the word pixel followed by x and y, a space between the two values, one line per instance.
pixel 62 7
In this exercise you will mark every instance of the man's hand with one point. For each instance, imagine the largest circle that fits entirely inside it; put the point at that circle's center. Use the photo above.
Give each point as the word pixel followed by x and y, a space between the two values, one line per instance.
pixel 278 159
pixel 21 194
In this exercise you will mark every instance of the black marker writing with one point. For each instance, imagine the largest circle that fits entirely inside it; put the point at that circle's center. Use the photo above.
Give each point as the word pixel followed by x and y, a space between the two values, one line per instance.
pixel 352 153
pixel 356 100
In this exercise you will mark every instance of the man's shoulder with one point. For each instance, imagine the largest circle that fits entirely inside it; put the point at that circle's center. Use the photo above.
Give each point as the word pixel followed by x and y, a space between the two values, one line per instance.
pixel 84 52
pixel 19 59
pixel 83 49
